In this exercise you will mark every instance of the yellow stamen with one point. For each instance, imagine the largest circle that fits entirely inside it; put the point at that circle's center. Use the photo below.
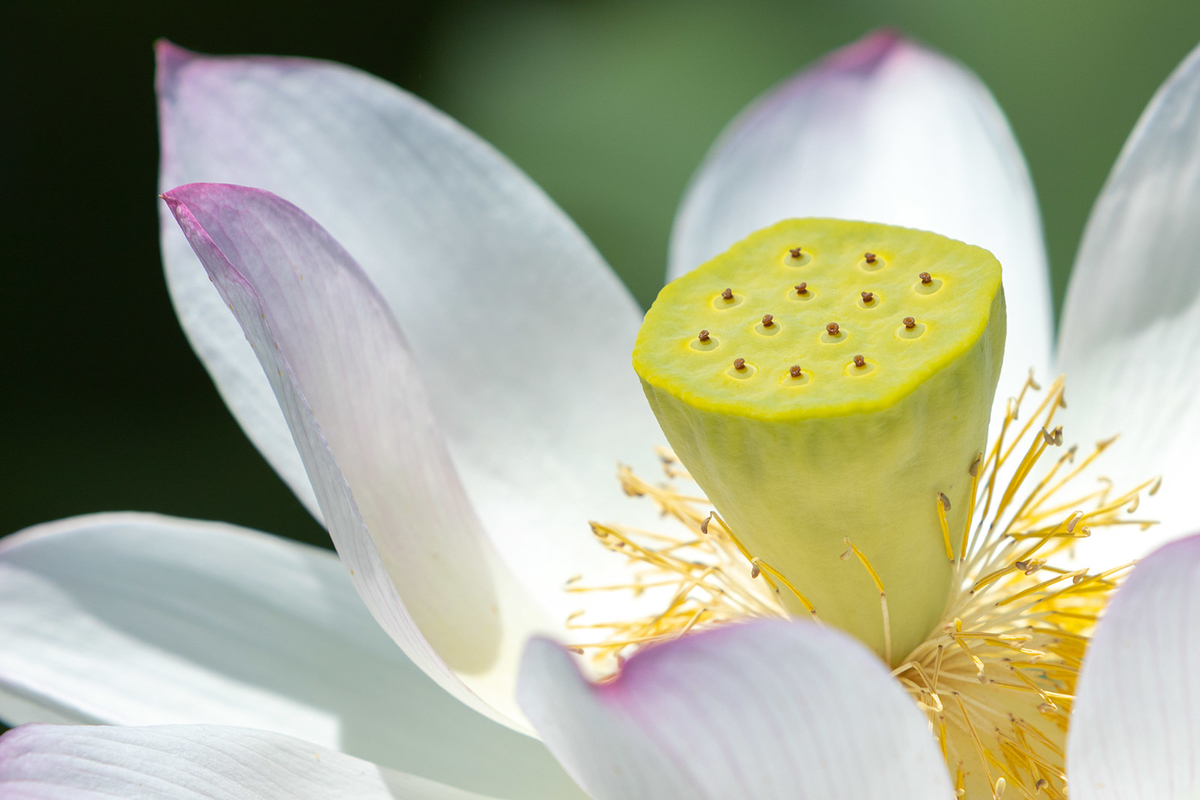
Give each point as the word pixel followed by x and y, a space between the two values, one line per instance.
pixel 887 622
pixel 941 502
pixel 997 677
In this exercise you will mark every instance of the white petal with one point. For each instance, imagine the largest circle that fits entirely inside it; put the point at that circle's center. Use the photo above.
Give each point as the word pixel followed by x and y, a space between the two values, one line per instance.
pixel 886 131
pixel 358 412
pixel 1135 730
pixel 193 762
pixel 137 619
pixel 1130 341
pixel 767 709
pixel 520 330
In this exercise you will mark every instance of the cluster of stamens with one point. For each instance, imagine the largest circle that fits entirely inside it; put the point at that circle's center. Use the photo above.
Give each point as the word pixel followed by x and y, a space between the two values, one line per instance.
pixel 996 678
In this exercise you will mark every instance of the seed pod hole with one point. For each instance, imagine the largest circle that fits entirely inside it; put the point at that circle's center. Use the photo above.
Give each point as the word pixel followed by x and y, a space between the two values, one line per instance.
pixel 795 376
pixel 741 369
pixel 859 365
pixel 927 284
pixel 705 341
pixel 767 326
pixel 726 299
pixel 796 257
pixel 833 333
pixel 868 300
pixel 801 292
pixel 910 328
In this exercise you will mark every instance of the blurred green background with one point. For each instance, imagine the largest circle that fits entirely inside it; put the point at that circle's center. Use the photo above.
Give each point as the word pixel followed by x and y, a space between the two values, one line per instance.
pixel 609 105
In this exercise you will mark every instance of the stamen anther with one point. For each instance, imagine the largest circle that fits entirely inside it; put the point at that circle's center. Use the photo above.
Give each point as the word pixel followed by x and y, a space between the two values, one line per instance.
pixel 926 278
pixel 832 329
pixel 910 323
pixel 727 294
pixel 795 251
pixel 868 297
pixel 860 362
pixel 795 371
pixel 768 320
pixel 802 288
pixel 739 363
pixel 704 337
pixel 870 257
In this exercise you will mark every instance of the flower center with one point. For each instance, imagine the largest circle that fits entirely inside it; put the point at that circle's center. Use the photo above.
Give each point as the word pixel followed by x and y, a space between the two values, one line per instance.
pixel 837 425
pixel 996 676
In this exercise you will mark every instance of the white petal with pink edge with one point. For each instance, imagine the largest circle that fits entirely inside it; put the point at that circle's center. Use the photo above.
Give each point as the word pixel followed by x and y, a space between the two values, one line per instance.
pixel 1130 339
pixel 139 619
pixel 883 130
pixel 362 421
pixel 193 762
pixel 1135 730
pixel 517 326
pixel 766 709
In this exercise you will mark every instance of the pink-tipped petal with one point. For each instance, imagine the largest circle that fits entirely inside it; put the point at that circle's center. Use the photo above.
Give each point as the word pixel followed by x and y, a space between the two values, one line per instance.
pixel 193 762
pixel 766 709
pixel 520 330
pixel 1135 730
pixel 1130 339
pixel 358 410
pixel 138 619
pixel 887 131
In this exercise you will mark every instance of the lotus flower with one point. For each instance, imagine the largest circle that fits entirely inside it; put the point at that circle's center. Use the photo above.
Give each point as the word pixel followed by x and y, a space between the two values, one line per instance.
pixel 435 360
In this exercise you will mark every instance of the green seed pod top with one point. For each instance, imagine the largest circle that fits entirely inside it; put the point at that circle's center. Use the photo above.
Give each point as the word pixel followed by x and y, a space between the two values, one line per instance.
pixel 906 303
pixel 828 384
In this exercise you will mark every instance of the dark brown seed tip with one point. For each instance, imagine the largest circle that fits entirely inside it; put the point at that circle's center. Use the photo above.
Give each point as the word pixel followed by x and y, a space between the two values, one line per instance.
pixel 910 323
pixel 859 361
pixel 795 371
pixel 870 257
pixel 739 363
pixel 795 251
pixel 832 328
pixel 727 294
pixel 868 297
pixel 802 288
pixel 768 320
pixel 704 336
pixel 926 278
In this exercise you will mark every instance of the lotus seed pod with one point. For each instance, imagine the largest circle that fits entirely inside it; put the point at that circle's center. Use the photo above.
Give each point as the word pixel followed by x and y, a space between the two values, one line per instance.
pixel 858 412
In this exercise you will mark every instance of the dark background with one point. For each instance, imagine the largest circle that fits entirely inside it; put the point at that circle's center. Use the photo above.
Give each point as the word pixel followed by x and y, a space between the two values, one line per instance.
pixel 609 105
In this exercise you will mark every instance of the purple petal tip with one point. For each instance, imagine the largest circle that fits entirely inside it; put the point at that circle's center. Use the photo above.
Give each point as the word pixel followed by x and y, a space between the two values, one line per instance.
pixel 866 54
pixel 169 59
